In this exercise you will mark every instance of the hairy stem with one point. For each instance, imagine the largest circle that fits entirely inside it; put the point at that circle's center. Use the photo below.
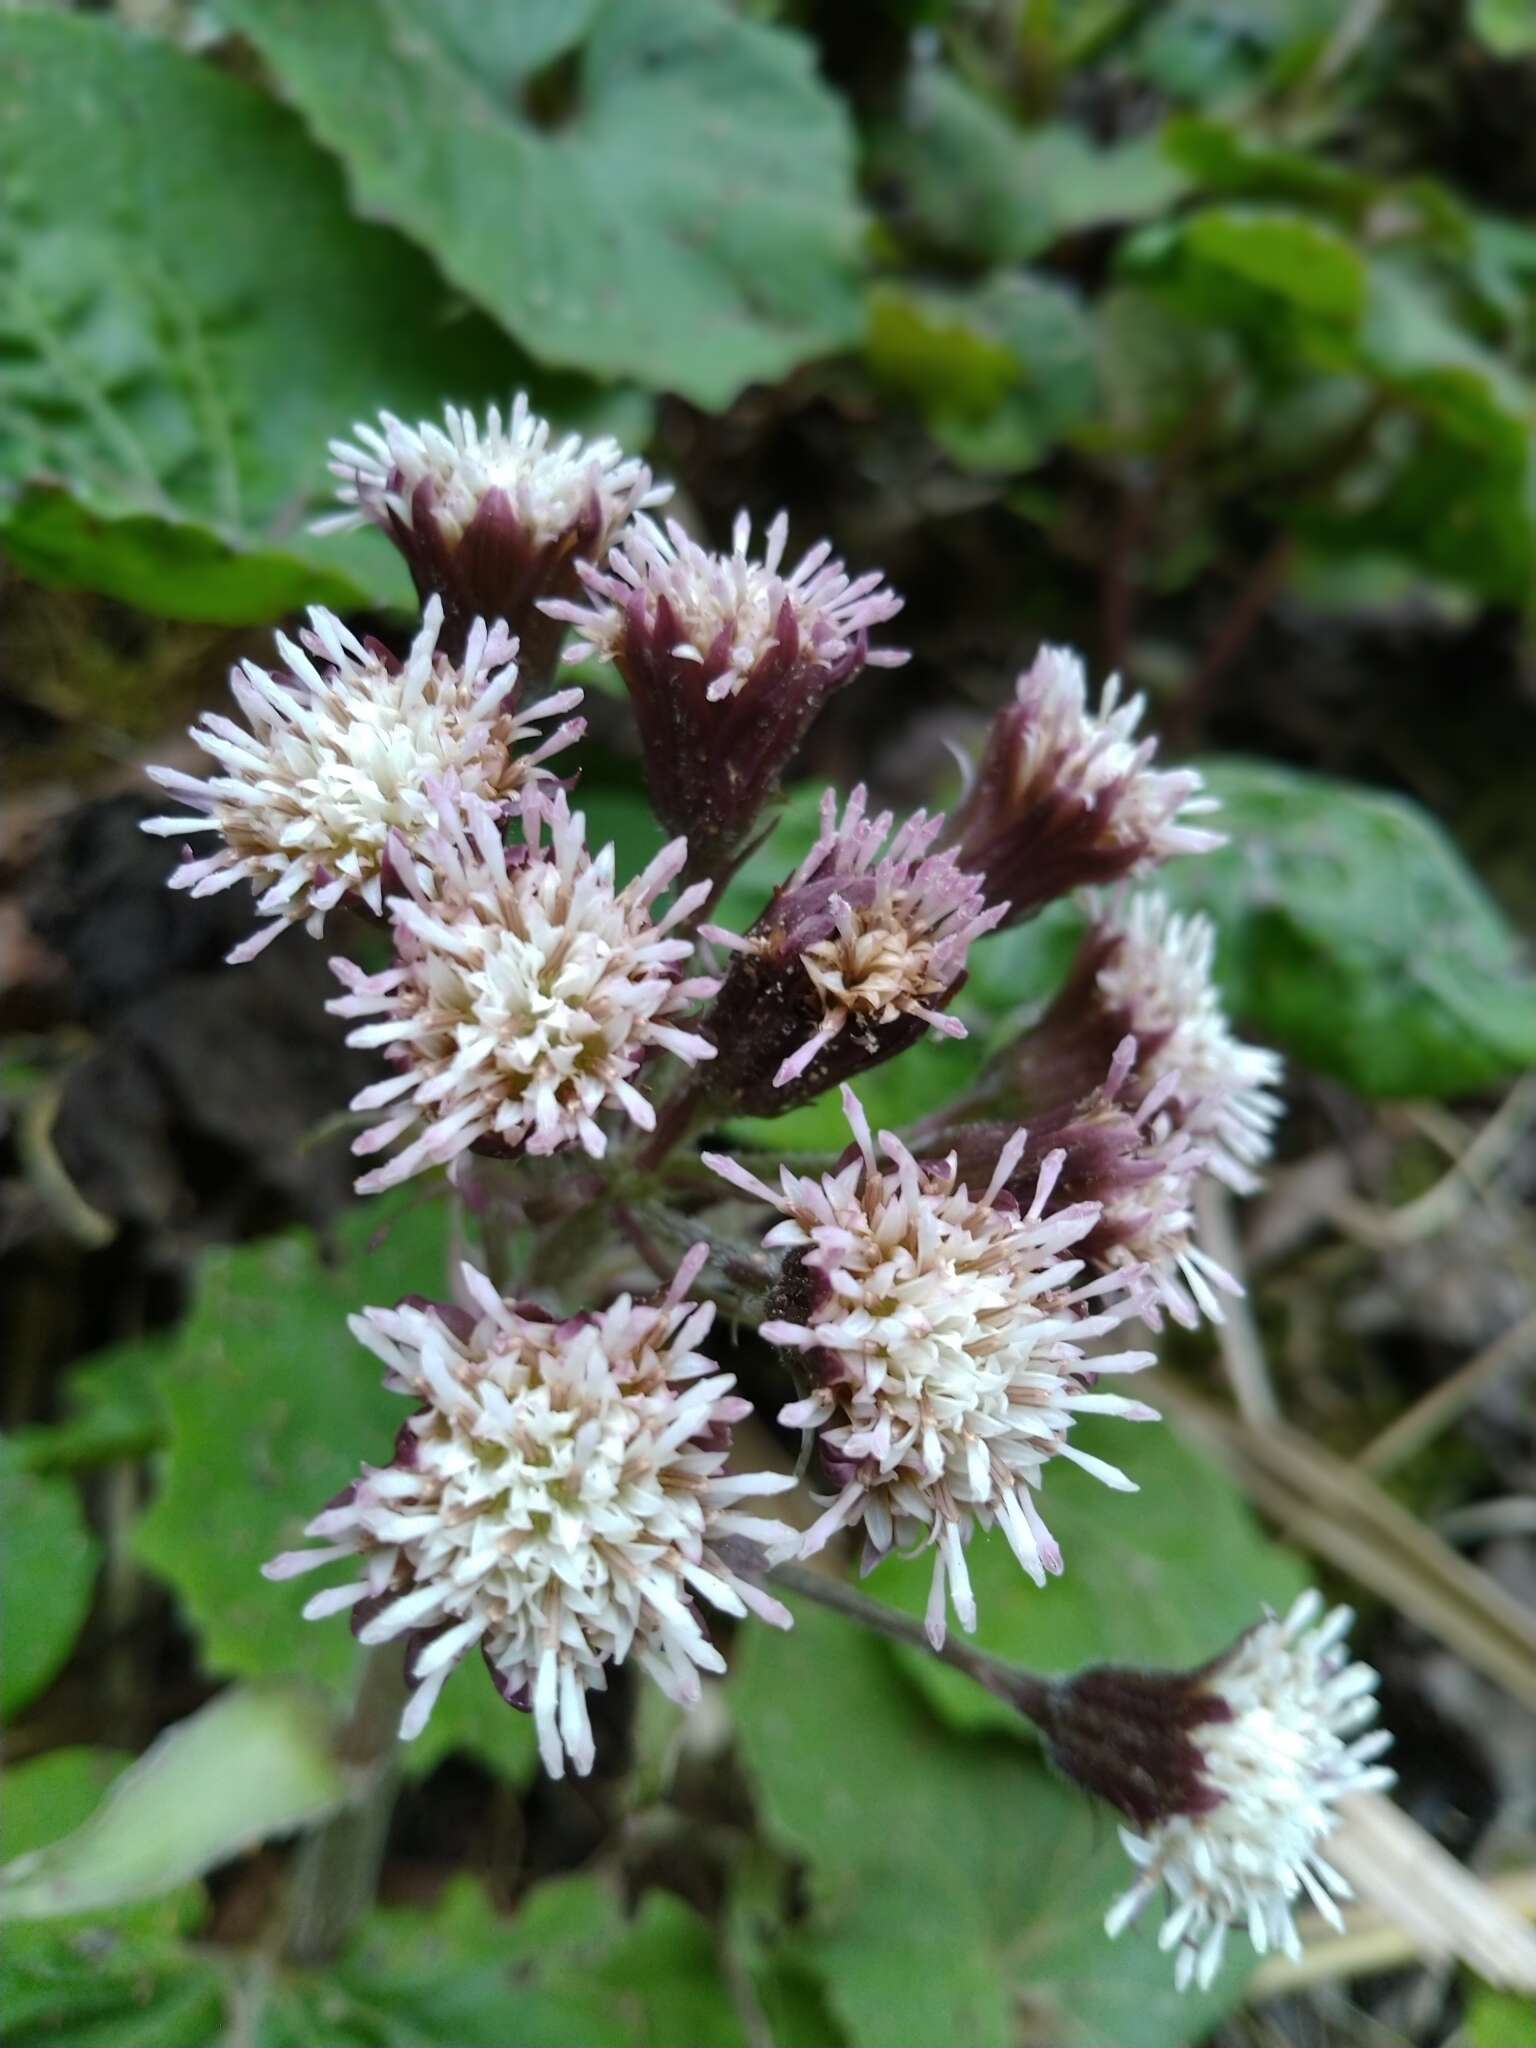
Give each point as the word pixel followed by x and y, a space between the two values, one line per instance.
pixel 336 1871
pixel 1026 1692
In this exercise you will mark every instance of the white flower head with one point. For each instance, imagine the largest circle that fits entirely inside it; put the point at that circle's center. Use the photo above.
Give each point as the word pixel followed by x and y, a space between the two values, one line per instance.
pixel 527 991
pixel 731 617
pixel 551 489
pixel 874 928
pixel 1066 797
pixel 556 1499
pixel 1156 979
pixel 1285 1734
pixel 345 757
pixel 950 1346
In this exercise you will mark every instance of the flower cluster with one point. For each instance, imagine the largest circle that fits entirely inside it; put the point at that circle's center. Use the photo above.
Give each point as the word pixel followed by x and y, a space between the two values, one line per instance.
pixel 852 961
pixel 555 1500
pixel 947 1340
pixel 728 659
pixel 1065 797
pixel 344 753
pixel 949 1302
pixel 526 992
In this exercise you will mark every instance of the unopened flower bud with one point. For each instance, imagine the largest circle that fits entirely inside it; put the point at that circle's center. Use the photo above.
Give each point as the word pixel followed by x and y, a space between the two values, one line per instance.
pixel 853 960
pixel 490 518
pixel 727 660
pixel 1067 798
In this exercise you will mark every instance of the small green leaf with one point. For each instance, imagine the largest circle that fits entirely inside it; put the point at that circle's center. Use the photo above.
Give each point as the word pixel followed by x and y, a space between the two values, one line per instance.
pixel 1289 254
pixel 1354 936
pixel 255 1762
pixel 47 1574
pixel 972 183
pixel 187 313
pixel 726 255
pixel 1146 1581
pixel 113 1411
pixel 1002 372
pixel 957 1889
pixel 273 1405
pixel 1498 2019
pixel 49 1795
pixel 1508 29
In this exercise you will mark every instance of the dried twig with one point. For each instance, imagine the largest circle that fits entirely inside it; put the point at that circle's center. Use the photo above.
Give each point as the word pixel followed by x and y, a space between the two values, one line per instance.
pixel 1423 1905
pixel 1339 1513
pixel 1440 1407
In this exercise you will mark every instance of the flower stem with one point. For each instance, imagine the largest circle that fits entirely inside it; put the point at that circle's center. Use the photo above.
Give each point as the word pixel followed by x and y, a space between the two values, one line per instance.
pixel 1024 1691
pixel 336 1871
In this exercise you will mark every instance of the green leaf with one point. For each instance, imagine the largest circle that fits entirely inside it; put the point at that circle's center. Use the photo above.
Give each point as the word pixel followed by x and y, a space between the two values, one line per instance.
pixel 253 1763
pixel 187 313
pixel 272 1407
pixel 679 208
pixel 47 1574
pixel 1354 936
pixel 1146 1581
pixel 49 1795
pixel 1498 2019
pixel 113 1411
pixel 957 1890
pixel 568 1971
pixel 105 1988
pixel 974 184
pixel 1003 371
pixel 1508 29
pixel 1288 254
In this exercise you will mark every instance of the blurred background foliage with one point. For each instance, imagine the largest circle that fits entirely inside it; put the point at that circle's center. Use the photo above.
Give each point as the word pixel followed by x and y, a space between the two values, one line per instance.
pixel 1198 333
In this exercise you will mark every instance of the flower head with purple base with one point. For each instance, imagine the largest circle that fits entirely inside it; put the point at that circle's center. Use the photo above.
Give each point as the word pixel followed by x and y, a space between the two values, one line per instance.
pixel 492 517
pixel 949 1344
pixel 1139 1164
pixel 555 1500
pixel 1066 797
pixel 1156 976
pixel 852 961
pixel 527 991
pixel 1280 1729
pixel 727 659
pixel 344 751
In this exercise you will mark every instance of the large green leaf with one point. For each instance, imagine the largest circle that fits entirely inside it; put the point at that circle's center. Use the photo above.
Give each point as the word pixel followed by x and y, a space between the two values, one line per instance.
pixel 272 1407
pixel 47 1572
pixel 1146 1580
pixel 678 208
pixel 957 1889
pixel 1354 934
pixel 187 312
